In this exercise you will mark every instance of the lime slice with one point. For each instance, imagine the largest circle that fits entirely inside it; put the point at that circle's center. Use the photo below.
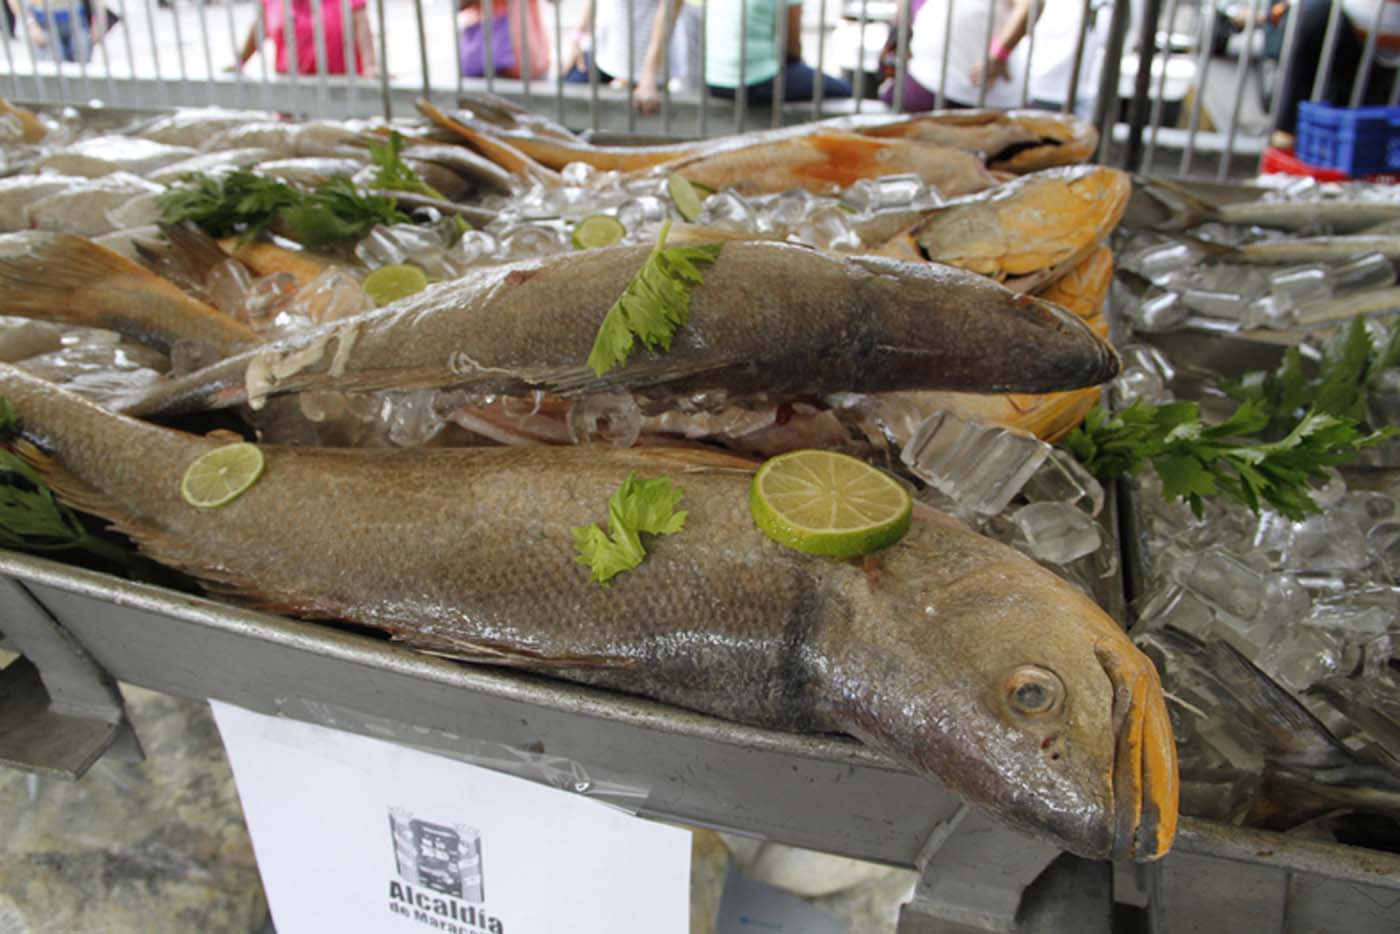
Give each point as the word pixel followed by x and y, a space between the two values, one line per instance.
pixel 391 283
pixel 685 195
pixel 220 476
pixel 597 230
pixel 826 503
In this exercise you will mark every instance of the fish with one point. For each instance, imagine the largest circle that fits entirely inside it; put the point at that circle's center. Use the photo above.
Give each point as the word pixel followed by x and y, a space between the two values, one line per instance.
pixel 323 138
pixel 277 254
pixel 1017 141
pixel 214 164
pixel 823 161
pixel 1168 206
pixel 18 192
pixel 1027 232
pixel 769 318
pixel 1337 248
pixel 195 126
pixel 32 129
pixel 1014 140
pixel 64 278
pixel 311 171
pixel 958 658
pixel 85 209
pixel 96 156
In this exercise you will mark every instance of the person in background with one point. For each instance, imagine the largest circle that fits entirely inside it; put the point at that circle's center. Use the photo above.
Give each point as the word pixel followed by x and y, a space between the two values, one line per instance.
pixel 304 36
pixel 735 49
pixel 1052 64
pixel 612 34
pixel 966 36
pixel 71 34
pixel 517 36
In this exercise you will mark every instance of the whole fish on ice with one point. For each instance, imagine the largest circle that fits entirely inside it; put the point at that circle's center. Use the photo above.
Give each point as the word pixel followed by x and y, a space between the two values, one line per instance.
pixel 958 657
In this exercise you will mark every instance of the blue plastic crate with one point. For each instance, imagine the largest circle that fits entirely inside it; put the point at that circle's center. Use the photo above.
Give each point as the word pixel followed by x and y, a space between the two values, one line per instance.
pixel 1355 140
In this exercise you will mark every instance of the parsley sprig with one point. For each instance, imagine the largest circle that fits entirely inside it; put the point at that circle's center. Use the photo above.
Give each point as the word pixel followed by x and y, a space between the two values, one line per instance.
pixel 655 303
pixel 640 506
pixel 245 203
pixel 1286 430
pixel 393 173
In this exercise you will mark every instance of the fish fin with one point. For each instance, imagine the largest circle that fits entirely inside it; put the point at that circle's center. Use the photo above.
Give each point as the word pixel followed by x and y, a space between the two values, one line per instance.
pixel 502 153
pixel 199 252
pixel 71 280
pixel 1183 207
pixel 490 652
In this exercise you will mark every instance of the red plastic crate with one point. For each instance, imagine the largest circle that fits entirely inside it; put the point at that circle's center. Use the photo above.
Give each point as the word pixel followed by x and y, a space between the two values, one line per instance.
pixel 1283 161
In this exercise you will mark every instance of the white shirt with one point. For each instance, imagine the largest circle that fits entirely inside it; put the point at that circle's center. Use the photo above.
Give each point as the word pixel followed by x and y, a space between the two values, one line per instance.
pixel 610 25
pixel 1052 60
pixel 969 40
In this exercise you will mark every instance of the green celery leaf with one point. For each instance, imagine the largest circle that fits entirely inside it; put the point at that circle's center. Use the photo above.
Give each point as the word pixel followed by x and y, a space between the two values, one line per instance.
pixel 640 506
pixel 393 173
pixel 655 303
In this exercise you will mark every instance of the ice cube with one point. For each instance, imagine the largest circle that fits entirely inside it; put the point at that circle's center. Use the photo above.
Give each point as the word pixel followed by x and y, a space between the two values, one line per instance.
pixel 980 466
pixel 1299 656
pixel 579 174
pixel 726 209
pixel 829 228
pixel 1367 271
pixel 228 283
pixel 332 295
pixel 1213 303
pixel 785 211
pixel 411 417
pixel 379 248
pixel 1135 383
pixel 1301 284
pixel 1057 533
pixel 1219 578
pixel 475 246
pixel 266 298
pixel 1179 608
pixel 1062 479
pixel 530 242
pixel 636 213
pixel 1156 263
pixel 1159 312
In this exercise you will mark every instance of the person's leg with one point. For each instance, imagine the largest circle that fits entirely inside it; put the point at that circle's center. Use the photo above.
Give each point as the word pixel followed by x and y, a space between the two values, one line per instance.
pixel 800 80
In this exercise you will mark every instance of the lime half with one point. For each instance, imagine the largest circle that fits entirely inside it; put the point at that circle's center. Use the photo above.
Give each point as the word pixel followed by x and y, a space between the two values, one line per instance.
pixel 220 476
pixel 686 196
pixel 597 230
pixel 831 504
pixel 391 283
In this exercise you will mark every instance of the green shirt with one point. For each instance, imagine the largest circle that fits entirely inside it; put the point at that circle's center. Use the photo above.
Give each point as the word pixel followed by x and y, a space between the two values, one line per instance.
pixel 724 39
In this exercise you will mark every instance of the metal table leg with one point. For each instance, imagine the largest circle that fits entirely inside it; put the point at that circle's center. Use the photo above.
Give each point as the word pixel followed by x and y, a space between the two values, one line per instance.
pixel 59 711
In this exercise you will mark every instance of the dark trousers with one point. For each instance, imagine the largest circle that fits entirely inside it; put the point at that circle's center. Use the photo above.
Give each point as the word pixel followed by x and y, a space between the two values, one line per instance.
pixel 1297 84
pixel 799 84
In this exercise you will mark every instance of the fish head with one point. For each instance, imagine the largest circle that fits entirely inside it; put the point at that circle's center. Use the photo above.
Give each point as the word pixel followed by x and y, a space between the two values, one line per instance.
pixel 1013 688
pixel 931 326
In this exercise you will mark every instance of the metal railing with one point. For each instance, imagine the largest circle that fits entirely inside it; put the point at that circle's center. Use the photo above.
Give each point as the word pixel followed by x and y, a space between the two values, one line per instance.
pixel 1181 93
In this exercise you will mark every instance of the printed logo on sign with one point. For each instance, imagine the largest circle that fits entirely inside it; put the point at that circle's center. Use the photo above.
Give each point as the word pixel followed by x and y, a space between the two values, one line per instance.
pixel 439 869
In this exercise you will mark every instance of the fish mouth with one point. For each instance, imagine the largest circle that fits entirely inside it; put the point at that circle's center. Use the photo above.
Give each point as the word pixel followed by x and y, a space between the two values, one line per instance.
pixel 1144 777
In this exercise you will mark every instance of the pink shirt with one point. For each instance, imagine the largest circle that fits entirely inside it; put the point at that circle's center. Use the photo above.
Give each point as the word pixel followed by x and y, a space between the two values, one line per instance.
pixel 304 32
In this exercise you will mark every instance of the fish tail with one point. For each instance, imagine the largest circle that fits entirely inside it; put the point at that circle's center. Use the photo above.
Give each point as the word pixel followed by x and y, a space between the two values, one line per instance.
pixel 498 151
pixel 70 280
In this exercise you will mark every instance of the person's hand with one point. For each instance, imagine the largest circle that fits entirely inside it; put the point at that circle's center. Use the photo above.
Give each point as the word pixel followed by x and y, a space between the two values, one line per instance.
pixel 996 71
pixel 37 35
pixel 646 98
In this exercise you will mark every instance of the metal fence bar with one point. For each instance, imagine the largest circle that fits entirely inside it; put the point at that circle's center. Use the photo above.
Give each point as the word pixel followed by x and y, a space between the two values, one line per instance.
pixel 75 27
pixel 1155 121
pixel 986 55
pixel 903 27
pixel 819 88
pixel 488 26
pixel 386 102
pixel 1285 64
pixel 55 48
pixel 155 52
pixel 290 39
pixel 1072 94
pixel 1147 48
pixel 1368 55
pixel 1329 51
pixel 1198 99
pixel 209 71
pixel 632 65
pixel 422 47
pixel 559 62
pixel 260 29
pixel 1032 19
pixel 1106 104
pixel 22 25
pixel 126 39
pixel 1395 89
pixel 179 46
pixel 100 10
pixel 860 55
pixel 455 31
pixel 741 93
pixel 1241 77
pixel 704 88
pixel 593 69
pixel 668 16
pixel 780 52
pixel 940 96
pixel 351 50
pixel 318 38
pixel 233 44
pixel 524 62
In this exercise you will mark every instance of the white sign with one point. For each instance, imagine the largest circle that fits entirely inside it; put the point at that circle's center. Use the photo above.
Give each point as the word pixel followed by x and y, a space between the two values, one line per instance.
pixel 359 835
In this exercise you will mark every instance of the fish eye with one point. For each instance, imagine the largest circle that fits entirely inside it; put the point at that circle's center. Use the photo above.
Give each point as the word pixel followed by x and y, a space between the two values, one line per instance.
pixel 1033 691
